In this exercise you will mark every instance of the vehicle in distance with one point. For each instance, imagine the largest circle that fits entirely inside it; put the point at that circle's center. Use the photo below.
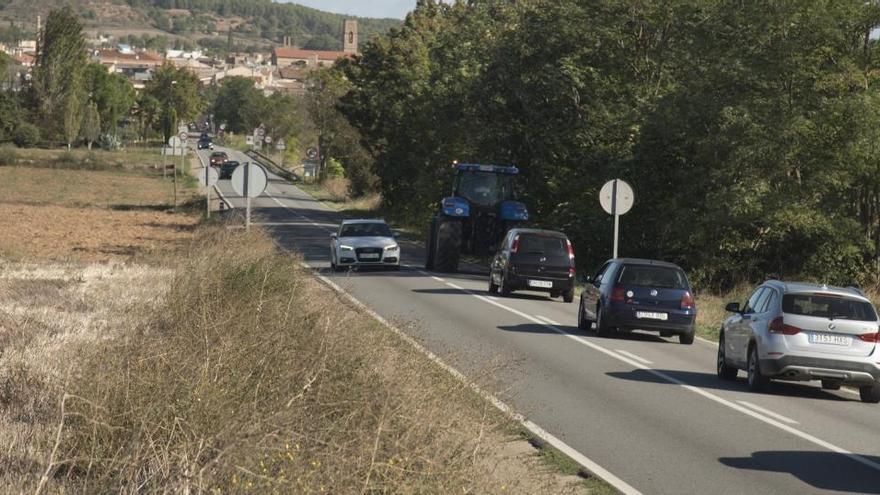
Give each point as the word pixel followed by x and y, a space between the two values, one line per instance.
pixel 803 332
pixel 218 158
pixel 635 294
pixel 532 259
pixel 364 243
pixel 205 143
pixel 476 217
pixel 227 168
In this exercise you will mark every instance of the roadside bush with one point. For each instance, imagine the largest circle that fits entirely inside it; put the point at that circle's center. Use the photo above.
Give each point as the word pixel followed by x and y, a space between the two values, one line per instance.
pixel 253 377
pixel 26 135
pixel 8 156
pixel 334 169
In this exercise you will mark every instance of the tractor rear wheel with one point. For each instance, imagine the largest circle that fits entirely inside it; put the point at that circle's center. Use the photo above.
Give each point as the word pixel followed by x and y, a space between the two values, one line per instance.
pixel 430 245
pixel 448 246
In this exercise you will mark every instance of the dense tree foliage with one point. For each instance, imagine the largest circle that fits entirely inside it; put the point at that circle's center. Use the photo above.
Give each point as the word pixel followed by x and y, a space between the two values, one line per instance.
pixel 176 92
pixel 749 131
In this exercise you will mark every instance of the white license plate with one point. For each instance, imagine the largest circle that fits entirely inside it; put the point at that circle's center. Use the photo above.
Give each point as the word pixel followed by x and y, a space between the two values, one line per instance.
pixel 370 256
pixel 827 338
pixel 650 315
pixel 543 284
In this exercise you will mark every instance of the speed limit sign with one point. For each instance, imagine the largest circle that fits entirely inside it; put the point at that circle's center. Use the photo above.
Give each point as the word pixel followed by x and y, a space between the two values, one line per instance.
pixel 183 136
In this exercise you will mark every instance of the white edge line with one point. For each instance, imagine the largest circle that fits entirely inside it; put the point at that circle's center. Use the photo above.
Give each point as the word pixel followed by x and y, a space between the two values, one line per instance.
pixel 592 467
pixel 547 320
pixel 637 358
pixel 768 412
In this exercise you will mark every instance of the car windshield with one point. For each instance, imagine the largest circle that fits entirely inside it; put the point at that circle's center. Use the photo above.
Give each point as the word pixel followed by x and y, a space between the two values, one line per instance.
pixel 662 277
pixel 542 244
pixel 829 306
pixel 230 164
pixel 484 188
pixel 372 229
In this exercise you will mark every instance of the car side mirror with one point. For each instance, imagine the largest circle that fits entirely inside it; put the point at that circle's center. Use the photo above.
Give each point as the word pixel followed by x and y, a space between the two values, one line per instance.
pixel 732 308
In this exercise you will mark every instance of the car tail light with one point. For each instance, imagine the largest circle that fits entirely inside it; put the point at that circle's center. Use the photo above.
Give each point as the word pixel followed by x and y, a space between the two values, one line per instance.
pixel 617 294
pixel 570 249
pixel 515 246
pixel 687 300
pixel 571 272
pixel 778 326
pixel 870 337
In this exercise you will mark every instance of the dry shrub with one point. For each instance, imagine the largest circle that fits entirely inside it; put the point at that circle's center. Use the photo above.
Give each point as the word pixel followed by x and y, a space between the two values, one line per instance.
pixel 337 189
pixel 253 376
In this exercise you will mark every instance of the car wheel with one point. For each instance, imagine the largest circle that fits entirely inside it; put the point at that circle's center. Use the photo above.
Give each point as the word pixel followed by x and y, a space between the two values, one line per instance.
pixel 583 322
pixel 686 338
pixel 724 371
pixel 757 380
pixel 602 329
pixel 830 385
pixel 870 393
pixel 568 296
pixel 493 287
pixel 505 289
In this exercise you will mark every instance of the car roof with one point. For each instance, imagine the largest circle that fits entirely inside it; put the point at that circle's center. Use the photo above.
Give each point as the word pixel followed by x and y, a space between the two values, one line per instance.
pixel 553 233
pixel 363 220
pixel 802 287
pixel 641 261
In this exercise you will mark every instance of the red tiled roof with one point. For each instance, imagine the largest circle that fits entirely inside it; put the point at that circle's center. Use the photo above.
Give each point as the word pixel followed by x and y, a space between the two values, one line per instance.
pixel 24 59
pixel 288 52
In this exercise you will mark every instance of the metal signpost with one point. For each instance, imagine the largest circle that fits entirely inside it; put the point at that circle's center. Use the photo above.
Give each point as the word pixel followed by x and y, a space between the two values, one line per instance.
pixel 175 143
pixel 208 179
pixel 249 180
pixel 616 198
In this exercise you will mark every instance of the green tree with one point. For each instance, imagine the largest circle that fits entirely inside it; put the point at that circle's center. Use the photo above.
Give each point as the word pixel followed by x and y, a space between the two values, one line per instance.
pixel 112 95
pixel 234 95
pixel 73 119
pixel 177 93
pixel 58 73
pixel 91 125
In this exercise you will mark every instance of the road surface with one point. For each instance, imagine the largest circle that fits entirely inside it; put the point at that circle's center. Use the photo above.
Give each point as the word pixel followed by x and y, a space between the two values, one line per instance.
pixel 649 410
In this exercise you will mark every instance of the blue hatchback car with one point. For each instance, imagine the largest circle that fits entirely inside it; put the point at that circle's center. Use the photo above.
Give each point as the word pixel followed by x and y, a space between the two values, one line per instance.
pixel 635 294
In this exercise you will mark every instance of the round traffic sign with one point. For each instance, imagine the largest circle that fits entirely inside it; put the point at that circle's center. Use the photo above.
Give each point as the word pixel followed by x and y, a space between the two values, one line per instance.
pixel 174 142
pixel 208 177
pixel 249 180
pixel 616 197
pixel 268 139
pixel 312 153
pixel 183 135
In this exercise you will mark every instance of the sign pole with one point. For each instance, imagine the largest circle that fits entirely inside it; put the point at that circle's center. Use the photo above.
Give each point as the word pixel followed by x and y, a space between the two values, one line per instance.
pixel 247 218
pixel 616 215
pixel 164 162
pixel 175 179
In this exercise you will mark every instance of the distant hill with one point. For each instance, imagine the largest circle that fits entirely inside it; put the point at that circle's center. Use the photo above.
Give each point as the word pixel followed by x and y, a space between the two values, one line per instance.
pixel 255 24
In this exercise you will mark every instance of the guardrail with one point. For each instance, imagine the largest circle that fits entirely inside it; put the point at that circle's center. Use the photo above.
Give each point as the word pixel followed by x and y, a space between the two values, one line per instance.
pixel 272 166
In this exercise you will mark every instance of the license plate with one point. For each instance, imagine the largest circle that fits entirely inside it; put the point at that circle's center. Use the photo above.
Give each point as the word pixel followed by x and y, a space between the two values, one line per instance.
pixel 827 338
pixel 649 315
pixel 370 256
pixel 543 284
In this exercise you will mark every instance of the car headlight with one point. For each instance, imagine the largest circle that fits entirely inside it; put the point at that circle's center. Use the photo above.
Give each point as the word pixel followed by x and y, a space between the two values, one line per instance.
pixel 345 248
pixel 392 249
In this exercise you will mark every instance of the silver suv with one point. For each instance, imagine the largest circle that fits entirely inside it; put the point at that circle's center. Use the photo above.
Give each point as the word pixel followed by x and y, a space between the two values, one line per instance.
pixel 801 332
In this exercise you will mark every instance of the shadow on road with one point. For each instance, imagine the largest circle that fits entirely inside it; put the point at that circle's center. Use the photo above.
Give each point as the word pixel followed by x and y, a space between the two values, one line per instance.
pixel 711 381
pixel 822 470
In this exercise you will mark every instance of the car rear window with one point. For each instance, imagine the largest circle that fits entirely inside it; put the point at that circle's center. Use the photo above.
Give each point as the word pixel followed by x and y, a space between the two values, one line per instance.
pixel 542 244
pixel 829 306
pixel 365 230
pixel 653 276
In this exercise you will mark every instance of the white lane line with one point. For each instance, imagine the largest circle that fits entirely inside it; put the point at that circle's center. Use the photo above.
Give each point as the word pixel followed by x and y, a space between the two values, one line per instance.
pixel 590 465
pixel 706 341
pixel 438 279
pixel 637 358
pixel 768 412
pixel 708 395
pixel 545 319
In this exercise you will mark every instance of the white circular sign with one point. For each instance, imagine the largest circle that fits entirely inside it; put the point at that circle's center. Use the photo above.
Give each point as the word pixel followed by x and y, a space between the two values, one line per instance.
pixel 183 136
pixel 174 142
pixel 249 180
pixel 268 139
pixel 208 177
pixel 623 201
pixel 312 153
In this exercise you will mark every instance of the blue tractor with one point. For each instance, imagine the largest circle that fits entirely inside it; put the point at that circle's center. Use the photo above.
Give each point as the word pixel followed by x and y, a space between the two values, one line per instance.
pixel 476 217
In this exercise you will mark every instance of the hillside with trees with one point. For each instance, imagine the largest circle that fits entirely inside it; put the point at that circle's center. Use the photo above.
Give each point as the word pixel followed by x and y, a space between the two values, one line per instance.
pixel 749 132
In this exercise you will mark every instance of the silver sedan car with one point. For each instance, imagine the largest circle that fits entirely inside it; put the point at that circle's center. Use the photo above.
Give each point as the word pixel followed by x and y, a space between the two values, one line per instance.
pixel 364 243
pixel 802 332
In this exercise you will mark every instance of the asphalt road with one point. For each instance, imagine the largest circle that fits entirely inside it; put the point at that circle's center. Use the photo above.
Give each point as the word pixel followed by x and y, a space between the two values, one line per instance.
pixel 649 410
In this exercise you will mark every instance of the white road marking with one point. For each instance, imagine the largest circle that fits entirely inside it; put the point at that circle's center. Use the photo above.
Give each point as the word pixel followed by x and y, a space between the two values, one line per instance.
pixel 637 358
pixel 545 319
pixel 438 279
pixel 768 412
pixel 706 341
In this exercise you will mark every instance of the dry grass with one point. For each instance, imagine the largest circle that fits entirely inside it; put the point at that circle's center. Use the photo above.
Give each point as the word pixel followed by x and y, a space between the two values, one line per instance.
pixel 231 373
